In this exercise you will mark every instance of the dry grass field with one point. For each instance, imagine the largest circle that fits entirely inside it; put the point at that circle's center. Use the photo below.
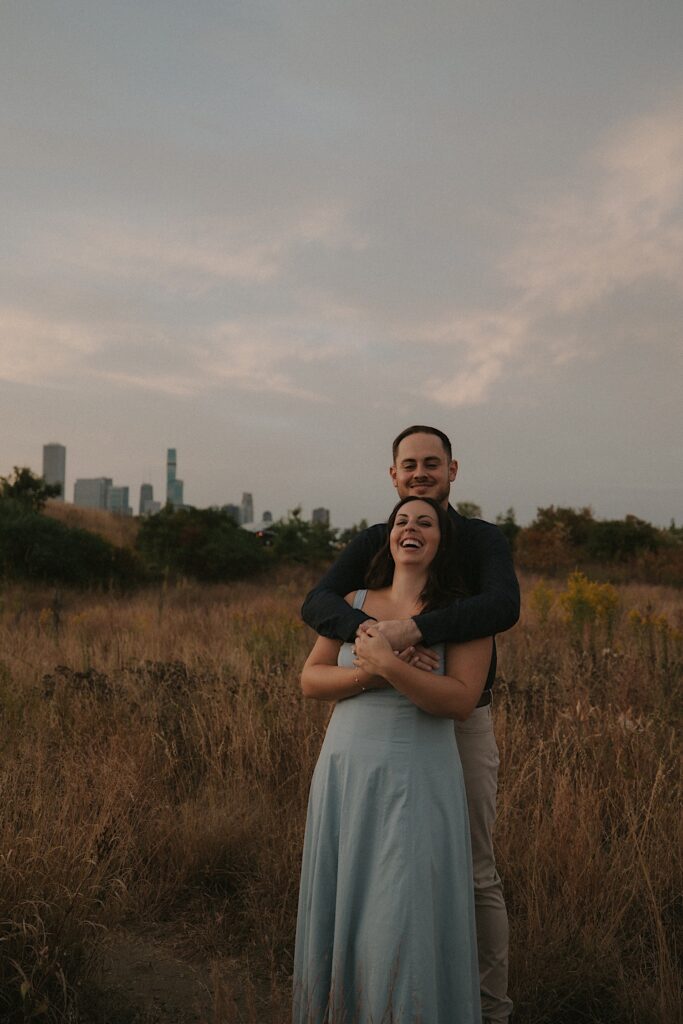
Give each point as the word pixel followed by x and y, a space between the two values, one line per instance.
pixel 118 530
pixel 156 756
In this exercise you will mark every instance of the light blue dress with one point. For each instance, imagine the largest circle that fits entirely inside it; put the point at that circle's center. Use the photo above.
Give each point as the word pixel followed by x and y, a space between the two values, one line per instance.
pixel 385 930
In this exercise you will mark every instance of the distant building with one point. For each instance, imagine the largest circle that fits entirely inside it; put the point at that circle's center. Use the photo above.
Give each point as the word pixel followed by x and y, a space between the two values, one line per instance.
pixel 267 517
pixel 117 501
pixel 247 508
pixel 321 516
pixel 235 513
pixel 54 466
pixel 92 493
pixel 146 499
pixel 174 487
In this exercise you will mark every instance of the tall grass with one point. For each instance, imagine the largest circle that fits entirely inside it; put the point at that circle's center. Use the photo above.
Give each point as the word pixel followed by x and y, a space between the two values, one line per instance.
pixel 156 756
pixel 118 530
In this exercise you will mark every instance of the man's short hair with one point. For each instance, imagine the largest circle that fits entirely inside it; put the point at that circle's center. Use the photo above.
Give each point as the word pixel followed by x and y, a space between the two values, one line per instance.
pixel 423 430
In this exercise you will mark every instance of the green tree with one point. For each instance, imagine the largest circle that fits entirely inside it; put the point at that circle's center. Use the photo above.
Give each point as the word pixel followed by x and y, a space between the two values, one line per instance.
pixel 38 548
pixel 297 540
pixel 575 525
pixel 202 543
pixel 508 525
pixel 469 509
pixel 616 540
pixel 346 536
pixel 25 487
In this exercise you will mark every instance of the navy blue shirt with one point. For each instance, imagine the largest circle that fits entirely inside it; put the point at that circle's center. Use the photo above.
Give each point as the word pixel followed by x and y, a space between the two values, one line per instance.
pixel 489 575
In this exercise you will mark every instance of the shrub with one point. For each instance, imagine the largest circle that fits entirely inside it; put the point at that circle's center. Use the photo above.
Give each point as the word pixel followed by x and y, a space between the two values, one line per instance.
pixel 298 541
pixel 201 543
pixel 28 489
pixel 614 540
pixel 35 547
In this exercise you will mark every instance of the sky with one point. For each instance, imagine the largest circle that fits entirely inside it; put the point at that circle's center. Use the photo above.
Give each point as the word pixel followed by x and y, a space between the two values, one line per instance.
pixel 273 234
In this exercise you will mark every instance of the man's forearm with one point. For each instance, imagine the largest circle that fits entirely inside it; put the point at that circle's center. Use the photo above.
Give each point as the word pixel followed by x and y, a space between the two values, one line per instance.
pixel 329 614
pixel 471 618
pixel 324 608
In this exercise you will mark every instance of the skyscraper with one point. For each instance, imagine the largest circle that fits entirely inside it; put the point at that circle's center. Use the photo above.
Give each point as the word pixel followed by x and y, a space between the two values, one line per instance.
pixel 146 496
pixel 321 516
pixel 54 466
pixel 117 501
pixel 92 493
pixel 174 487
pixel 247 508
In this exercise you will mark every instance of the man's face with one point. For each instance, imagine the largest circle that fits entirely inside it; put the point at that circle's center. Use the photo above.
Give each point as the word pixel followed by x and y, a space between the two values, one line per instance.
pixel 422 468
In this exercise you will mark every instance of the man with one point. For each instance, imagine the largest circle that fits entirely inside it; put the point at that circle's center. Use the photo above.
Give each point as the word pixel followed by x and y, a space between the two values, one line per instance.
pixel 423 465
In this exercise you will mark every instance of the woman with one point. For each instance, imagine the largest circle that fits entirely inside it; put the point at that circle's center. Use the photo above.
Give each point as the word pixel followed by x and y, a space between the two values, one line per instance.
pixel 385 930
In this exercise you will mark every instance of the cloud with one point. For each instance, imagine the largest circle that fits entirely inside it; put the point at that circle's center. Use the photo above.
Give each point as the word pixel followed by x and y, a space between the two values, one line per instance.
pixel 32 346
pixel 468 387
pixel 262 358
pixel 621 226
pixel 193 305
pixel 192 255
pixel 133 339
pixel 627 228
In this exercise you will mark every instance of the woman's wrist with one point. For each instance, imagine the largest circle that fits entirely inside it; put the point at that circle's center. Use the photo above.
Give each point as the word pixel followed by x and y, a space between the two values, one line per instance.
pixel 366 680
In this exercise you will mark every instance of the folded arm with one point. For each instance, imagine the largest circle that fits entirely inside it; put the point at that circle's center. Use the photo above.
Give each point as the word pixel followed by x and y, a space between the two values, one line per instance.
pixel 323 679
pixel 494 606
pixel 451 695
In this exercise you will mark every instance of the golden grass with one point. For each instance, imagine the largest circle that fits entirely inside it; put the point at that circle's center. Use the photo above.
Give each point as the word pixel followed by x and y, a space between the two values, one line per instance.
pixel 156 756
pixel 118 530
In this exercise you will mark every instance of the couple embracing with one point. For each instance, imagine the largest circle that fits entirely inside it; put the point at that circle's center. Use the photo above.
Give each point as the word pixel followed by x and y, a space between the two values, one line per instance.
pixel 401 911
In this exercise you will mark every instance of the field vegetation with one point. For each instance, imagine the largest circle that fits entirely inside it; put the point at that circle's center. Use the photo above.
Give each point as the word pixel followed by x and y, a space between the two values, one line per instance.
pixel 156 756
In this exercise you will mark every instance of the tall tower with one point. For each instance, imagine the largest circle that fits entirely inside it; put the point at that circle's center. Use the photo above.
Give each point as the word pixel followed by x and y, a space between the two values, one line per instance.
pixel 321 516
pixel 54 466
pixel 247 508
pixel 146 497
pixel 174 487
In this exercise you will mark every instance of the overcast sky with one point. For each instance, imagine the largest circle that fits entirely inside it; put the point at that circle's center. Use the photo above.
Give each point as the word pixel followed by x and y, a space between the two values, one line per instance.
pixel 271 234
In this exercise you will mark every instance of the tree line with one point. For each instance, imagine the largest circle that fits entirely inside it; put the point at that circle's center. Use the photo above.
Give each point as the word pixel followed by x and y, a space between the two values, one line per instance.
pixel 208 545
pixel 203 544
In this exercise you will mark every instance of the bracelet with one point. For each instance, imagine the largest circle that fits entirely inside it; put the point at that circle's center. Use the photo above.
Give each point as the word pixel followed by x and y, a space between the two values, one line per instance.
pixel 358 682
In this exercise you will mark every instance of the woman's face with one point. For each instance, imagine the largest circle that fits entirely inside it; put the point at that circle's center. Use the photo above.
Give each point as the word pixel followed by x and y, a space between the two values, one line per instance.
pixel 415 535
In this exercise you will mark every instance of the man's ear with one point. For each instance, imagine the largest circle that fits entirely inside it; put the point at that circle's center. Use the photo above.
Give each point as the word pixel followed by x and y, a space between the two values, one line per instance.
pixel 392 474
pixel 452 470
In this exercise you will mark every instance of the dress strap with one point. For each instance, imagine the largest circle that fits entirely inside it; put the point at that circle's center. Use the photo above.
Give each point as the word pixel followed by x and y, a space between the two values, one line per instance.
pixel 359 599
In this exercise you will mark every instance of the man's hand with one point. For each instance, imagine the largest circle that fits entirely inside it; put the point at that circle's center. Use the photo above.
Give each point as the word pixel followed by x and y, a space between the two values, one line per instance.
pixel 421 657
pixel 401 633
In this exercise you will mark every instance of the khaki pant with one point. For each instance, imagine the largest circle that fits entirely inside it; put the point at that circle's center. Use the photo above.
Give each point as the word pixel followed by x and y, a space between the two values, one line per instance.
pixel 479 756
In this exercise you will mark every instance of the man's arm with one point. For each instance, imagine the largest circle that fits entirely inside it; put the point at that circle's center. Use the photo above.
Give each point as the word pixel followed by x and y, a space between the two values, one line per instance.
pixel 493 608
pixel 325 609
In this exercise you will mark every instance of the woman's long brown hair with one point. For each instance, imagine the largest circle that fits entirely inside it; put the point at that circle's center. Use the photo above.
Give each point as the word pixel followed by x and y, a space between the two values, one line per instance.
pixel 444 577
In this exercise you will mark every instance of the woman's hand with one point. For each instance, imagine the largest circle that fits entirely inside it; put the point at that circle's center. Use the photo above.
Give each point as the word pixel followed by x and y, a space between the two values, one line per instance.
pixel 373 652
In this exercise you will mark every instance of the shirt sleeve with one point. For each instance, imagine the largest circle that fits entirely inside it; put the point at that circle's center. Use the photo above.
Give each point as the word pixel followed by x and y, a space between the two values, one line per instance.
pixel 324 608
pixel 493 608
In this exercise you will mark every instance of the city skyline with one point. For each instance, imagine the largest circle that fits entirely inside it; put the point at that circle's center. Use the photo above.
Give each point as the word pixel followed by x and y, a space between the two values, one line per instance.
pixel 315 513
pixel 276 234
